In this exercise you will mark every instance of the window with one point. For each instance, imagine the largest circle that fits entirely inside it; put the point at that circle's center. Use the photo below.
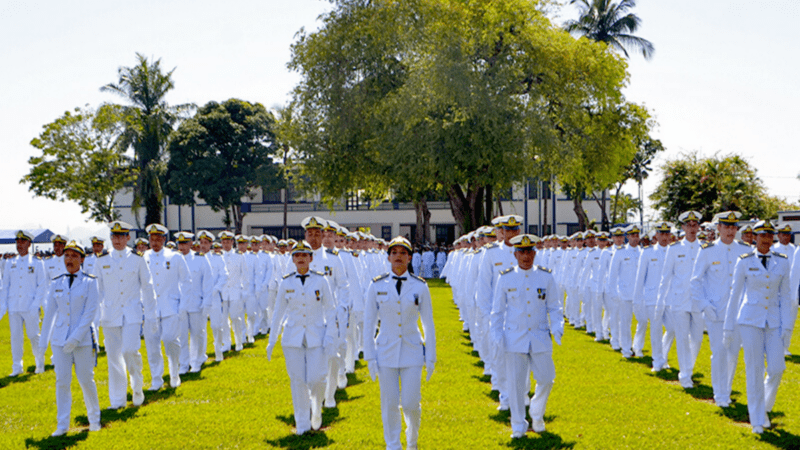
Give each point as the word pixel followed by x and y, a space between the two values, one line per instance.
pixel 386 232
pixel 533 229
pixel 572 228
pixel 271 196
pixel 445 234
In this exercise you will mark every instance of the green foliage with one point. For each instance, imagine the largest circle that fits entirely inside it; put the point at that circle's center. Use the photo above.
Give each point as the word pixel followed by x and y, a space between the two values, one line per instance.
pixel 79 161
pixel 148 123
pixel 221 154
pixel 625 208
pixel 599 400
pixel 610 22
pixel 711 185
pixel 447 96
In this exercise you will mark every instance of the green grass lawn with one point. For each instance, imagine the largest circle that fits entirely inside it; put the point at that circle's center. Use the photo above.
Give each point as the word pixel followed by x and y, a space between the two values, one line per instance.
pixel 600 400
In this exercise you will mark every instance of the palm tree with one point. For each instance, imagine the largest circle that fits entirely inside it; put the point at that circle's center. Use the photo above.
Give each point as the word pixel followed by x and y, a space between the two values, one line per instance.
pixel 149 120
pixel 609 22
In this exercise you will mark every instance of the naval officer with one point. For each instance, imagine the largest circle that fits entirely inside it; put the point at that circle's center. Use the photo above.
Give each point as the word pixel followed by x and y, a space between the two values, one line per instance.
pixel 398 352
pixel 69 312
pixel 526 312
pixel 760 302
pixel 306 311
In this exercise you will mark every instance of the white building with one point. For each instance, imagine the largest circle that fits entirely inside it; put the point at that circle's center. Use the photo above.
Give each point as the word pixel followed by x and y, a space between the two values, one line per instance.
pixel 264 214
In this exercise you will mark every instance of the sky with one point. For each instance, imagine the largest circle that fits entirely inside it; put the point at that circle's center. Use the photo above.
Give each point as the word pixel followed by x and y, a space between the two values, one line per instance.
pixel 723 78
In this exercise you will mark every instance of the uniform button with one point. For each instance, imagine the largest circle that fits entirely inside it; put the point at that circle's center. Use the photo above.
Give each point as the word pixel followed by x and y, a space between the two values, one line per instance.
pixel 529 329
pixel 529 315
pixel 398 313
pixel 399 335
pixel 529 302
pixel 767 276
pixel 527 289
pixel 767 299
pixel 399 324
pixel 304 315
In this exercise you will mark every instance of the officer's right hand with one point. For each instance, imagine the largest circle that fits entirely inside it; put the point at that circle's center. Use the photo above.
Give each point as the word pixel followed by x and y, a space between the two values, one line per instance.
pixel 372 365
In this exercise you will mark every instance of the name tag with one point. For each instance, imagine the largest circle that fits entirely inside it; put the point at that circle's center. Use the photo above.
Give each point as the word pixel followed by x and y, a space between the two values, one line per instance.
pixel 753 269
pixel 512 290
pixel 716 263
pixel 498 264
pixel 681 256
pixel 290 291
pixel 654 259
pixel 59 290
pixel 382 293
pixel 106 267
pixel 626 259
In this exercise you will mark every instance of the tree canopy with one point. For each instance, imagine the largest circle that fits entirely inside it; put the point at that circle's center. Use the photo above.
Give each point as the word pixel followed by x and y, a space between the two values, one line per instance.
pixel 80 161
pixel 610 22
pixel 149 120
pixel 463 98
pixel 220 154
pixel 712 185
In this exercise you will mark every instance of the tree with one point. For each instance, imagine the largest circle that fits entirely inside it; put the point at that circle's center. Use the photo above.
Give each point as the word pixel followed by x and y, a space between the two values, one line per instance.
pixel 626 208
pixel 712 185
pixel 425 96
pixel 80 163
pixel 221 154
pixel 639 169
pixel 610 22
pixel 149 120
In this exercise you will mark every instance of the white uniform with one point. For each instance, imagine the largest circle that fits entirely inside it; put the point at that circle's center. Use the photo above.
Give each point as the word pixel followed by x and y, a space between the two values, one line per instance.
pixel 399 349
pixel 674 297
pixel 195 302
pixel 23 291
pixel 765 320
pixel 232 303
pixel 126 294
pixel 169 272
pixel 68 319
pixel 217 312
pixel 711 283
pixel 526 311
pixel 622 280
pixel 308 331
pixel 648 279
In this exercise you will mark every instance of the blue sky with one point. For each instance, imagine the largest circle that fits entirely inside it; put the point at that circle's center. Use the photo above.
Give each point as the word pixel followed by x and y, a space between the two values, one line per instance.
pixel 723 79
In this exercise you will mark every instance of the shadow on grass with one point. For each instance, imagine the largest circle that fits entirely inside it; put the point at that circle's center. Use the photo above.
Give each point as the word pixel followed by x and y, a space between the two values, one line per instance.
pixel 66 441
pixel 701 392
pixel 781 439
pixel 5 381
pixel 311 439
pixel 668 374
pixel 483 378
pixel 646 361
pixel 494 395
pixel 503 417
pixel 543 440
pixel 736 412
pixel 794 359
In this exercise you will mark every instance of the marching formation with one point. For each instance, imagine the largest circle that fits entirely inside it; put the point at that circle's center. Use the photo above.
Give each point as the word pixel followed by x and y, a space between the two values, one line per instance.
pixel 743 293
pixel 325 296
pixel 338 293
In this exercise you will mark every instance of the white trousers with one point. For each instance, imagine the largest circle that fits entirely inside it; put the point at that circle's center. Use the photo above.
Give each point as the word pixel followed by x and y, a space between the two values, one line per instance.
pixel 218 318
pixel 688 337
pixel 519 366
pixel 253 311
pixel 305 367
pixel 642 317
pixel 656 336
pixel 760 344
pixel 392 399
pixel 721 366
pixel 167 332
pixel 588 309
pixel 83 359
pixel 597 315
pixel 625 317
pixel 355 335
pixel 193 338
pixel 236 312
pixel 122 353
pixel 612 309
pixel 30 321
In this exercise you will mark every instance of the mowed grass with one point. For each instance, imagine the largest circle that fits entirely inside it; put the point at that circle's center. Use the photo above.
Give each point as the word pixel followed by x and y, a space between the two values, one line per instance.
pixel 600 400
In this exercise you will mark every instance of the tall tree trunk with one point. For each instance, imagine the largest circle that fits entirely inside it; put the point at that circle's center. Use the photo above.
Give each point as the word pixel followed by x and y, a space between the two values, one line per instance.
pixel 615 208
pixel 577 206
pixel 601 204
pixel 487 212
pixel 455 195
pixel 420 206
pixel 238 217
pixel 467 208
pixel 540 198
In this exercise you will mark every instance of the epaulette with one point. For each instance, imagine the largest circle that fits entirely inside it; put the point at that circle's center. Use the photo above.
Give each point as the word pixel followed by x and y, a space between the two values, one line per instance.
pixel 506 271
pixel 104 253
pixel 288 275
pixel 88 274
pixel 332 251
pixel 419 278
pixel 544 268
pixel 746 255
pixel 380 277
pixel 137 253
pixel 317 272
pixel 49 257
pixel 490 245
pixel 55 278
pixel 674 243
pixel 200 254
pixel 355 254
pixel 779 254
pixel 38 257
pixel 240 252
pixel 707 245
